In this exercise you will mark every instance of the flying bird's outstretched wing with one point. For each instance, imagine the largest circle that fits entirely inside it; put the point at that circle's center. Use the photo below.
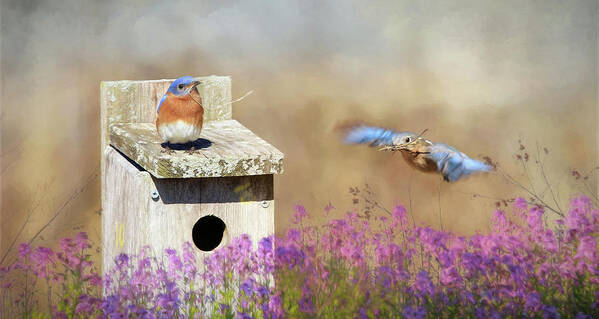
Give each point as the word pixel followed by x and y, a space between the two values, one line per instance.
pixel 375 136
pixel 454 164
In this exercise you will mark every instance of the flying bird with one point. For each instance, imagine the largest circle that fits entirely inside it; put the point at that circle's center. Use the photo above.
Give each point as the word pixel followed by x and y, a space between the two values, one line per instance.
pixel 420 153
pixel 180 113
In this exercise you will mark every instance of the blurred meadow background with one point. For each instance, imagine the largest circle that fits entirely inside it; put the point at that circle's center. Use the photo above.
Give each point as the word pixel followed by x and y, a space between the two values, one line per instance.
pixel 479 75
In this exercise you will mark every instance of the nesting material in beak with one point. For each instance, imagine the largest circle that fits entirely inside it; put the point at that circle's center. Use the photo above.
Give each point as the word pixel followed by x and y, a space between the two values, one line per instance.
pixel 194 85
pixel 391 148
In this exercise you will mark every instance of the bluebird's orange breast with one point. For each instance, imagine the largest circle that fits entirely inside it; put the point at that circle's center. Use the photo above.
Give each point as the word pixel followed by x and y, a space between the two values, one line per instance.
pixel 420 161
pixel 180 118
pixel 418 158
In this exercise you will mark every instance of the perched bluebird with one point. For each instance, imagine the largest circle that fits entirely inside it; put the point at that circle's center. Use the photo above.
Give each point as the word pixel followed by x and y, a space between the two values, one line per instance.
pixel 421 154
pixel 180 113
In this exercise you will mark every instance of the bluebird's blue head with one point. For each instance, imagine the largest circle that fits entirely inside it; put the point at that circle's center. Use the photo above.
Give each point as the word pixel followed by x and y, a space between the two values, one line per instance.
pixel 183 85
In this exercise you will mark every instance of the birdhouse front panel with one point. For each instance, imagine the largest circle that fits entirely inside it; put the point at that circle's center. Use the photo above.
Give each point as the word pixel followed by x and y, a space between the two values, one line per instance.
pixel 208 196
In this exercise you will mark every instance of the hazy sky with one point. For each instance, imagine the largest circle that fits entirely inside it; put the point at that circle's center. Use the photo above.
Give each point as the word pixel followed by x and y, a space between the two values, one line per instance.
pixel 546 45
pixel 478 74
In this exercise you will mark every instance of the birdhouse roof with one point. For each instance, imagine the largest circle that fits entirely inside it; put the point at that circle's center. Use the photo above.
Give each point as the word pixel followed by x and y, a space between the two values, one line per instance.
pixel 233 151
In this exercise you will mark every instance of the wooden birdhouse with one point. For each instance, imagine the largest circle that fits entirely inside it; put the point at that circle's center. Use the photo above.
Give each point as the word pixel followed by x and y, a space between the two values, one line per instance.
pixel 149 197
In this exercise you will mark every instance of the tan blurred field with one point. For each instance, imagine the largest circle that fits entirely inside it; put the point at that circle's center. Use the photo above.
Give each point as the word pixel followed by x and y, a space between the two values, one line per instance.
pixel 480 75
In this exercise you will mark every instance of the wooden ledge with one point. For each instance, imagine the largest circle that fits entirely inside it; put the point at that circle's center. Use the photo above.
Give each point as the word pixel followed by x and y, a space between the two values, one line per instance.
pixel 229 149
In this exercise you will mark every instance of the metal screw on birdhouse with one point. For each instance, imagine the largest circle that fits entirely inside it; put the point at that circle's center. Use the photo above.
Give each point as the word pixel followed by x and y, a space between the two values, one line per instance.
pixel 265 204
pixel 154 194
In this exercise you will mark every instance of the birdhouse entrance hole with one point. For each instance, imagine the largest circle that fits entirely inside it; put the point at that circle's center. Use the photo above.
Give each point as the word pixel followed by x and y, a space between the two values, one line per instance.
pixel 208 232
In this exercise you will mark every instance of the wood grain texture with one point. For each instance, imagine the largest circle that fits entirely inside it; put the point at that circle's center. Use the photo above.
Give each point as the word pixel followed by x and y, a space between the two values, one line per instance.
pixel 233 151
pixel 131 219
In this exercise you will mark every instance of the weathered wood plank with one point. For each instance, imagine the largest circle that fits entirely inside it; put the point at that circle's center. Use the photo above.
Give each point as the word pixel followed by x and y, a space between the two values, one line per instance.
pixel 215 92
pixel 233 151
pixel 131 219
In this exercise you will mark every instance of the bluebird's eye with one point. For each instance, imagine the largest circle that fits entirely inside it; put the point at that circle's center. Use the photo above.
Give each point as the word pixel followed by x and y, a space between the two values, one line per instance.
pixel 181 86
pixel 407 140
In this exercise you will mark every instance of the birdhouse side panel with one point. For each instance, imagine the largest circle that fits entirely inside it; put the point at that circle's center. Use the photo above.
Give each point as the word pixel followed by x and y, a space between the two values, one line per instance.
pixel 124 208
pixel 140 210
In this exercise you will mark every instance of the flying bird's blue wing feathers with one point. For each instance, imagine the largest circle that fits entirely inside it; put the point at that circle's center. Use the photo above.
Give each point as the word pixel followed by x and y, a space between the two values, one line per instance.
pixel 443 148
pixel 466 167
pixel 454 168
pixel 454 164
pixel 160 103
pixel 441 154
pixel 439 157
pixel 472 165
pixel 376 136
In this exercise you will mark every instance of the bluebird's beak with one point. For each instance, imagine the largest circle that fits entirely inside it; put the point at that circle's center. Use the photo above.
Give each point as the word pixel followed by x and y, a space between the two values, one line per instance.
pixel 192 86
